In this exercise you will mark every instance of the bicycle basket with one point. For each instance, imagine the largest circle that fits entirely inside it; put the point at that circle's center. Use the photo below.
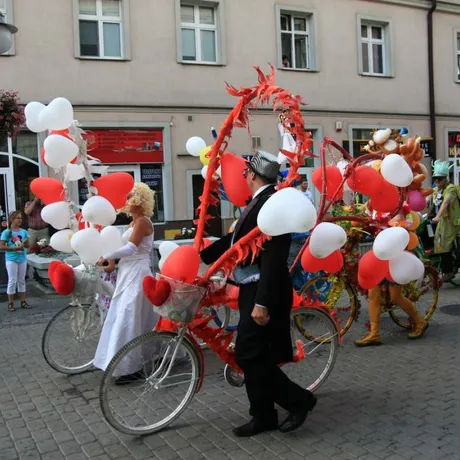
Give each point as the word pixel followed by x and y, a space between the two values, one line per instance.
pixel 182 303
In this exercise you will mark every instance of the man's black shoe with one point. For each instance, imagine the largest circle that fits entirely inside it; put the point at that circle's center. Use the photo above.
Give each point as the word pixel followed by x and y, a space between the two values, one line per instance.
pixel 295 419
pixel 255 426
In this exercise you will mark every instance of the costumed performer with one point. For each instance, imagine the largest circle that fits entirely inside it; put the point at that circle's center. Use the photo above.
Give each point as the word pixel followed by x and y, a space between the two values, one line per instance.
pixel 130 314
pixel 445 213
pixel 265 301
pixel 419 325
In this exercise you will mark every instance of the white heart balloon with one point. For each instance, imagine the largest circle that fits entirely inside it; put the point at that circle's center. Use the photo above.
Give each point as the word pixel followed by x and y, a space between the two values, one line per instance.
pixel 59 150
pixel 195 145
pixel 57 115
pixel 61 240
pixel 327 238
pixel 110 239
pixel 406 267
pixel 286 211
pixel 32 113
pixel 204 171
pixel 99 211
pixel 396 171
pixel 87 244
pixel 390 243
pixel 165 249
pixel 57 214
pixel 74 172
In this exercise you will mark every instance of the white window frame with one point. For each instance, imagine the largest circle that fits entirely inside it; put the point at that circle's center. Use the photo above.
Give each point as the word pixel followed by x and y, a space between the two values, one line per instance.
pixel 312 52
pixel 386 42
pixel 456 56
pixel 219 28
pixel 123 20
pixel 8 13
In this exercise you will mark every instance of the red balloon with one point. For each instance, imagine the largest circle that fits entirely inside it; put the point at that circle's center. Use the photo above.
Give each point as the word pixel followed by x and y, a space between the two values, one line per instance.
pixel 333 180
pixel 157 291
pixel 61 277
pixel 47 189
pixel 333 263
pixel 371 270
pixel 182 264
pixel 232 292
pixel 365 180
pixel 386 199
pixel 42 154
pixel 330 264
pixel 206 243
pixel 115 188
pixel 235 184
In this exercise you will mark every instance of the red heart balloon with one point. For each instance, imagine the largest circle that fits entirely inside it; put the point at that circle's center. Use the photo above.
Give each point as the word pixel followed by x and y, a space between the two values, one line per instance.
pixel 371 270
pixel 333 181
pixel 47 189
pixel 115 187
pixel 157 291
pixel 386 199
pixel 182 264
pixel 235 184
pixel 365 180
pixel 61 277
pixel 330 264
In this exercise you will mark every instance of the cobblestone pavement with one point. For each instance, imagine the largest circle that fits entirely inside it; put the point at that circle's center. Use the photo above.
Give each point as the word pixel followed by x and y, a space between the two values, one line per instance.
pixel 398 401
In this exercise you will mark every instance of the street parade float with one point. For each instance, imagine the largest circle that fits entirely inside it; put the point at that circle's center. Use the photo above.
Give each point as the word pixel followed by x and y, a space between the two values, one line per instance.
pixel 187 294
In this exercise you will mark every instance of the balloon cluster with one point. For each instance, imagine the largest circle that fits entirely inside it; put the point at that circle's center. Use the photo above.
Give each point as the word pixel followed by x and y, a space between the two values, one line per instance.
pixel 65 150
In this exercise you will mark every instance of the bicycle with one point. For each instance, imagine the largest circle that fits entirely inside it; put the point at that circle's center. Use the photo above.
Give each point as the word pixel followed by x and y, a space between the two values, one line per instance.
pixel 171 363
pixel 70 339
pixel 340 293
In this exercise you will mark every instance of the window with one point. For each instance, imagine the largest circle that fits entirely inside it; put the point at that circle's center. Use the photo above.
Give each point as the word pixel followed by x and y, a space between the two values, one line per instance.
pixel 6 8
pixel 296 39
pixel 101 29
pixel 374 48
pixel 256 142
pixel 457 55
pixel 200 28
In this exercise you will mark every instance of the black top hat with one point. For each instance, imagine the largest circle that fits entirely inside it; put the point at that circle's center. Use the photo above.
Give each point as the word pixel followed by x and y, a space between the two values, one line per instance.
pixel 265 165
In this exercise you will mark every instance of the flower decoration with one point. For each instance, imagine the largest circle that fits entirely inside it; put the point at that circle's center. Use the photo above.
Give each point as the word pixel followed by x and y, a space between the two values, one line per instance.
pixel 11 114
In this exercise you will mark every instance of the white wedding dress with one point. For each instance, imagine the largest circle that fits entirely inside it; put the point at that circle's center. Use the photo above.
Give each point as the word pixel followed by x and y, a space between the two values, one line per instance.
pixel 130 314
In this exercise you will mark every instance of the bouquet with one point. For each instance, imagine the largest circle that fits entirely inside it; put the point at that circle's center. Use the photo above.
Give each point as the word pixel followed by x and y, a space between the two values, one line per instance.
pixel 42 247
pixel 186 233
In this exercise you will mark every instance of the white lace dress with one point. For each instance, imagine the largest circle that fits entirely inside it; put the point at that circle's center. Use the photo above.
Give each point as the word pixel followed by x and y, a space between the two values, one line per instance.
pixel 130 314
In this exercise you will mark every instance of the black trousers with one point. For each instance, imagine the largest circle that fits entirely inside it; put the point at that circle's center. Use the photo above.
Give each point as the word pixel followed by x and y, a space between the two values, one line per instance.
pixel 257 350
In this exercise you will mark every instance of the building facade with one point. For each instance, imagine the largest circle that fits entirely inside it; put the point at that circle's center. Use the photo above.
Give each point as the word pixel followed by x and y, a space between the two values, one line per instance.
pixel 145 75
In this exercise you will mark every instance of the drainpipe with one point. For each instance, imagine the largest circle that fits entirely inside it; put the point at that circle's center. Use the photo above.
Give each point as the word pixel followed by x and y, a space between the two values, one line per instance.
pixel 431 75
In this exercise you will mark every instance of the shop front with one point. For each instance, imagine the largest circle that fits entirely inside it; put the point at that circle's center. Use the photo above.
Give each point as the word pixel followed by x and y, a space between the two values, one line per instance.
pixel 142 151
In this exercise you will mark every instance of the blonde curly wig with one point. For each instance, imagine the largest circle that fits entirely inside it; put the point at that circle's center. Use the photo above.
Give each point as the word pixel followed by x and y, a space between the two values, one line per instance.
pixel 141 196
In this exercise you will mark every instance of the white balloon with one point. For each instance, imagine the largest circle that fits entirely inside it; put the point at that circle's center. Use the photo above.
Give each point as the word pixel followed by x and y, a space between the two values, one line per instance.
pixel 327 238
pixel 396 171
pixel 87 244
pixel 59 150
pixel 110 239
pixel 57 214
pixel 406 267
pixel 287 211
pixel 74 172
pixel 165 249
pixel 99 211
pixel 32 113
pixel 195 145
pixel 58 114
pixel 204 171
pixel 390 243
pixel 61 240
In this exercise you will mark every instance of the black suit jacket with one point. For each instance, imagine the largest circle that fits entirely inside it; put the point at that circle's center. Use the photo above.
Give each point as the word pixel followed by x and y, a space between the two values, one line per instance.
pixel 274 289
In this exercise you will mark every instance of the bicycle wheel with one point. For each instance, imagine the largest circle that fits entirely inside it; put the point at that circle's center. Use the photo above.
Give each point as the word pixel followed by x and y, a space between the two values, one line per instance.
pixel 338 295
pixel 70 339
pixel 168 370
pixel 424 293
pixel 227 318
pixel 319 337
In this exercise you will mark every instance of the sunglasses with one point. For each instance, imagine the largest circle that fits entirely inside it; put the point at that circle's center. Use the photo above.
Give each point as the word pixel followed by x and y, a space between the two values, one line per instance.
pixel 246 172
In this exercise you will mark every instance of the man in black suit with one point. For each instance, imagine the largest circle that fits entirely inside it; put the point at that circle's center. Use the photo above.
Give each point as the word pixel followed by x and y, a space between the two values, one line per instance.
pixel 265 301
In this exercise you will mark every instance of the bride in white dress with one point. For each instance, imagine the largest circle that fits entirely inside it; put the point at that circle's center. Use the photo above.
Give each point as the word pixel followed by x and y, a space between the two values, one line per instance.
pixel 130 314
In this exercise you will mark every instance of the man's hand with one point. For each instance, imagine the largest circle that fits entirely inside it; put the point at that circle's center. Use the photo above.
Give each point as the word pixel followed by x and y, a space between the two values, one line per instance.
pixel 435 220
pixel 260 315
pixel 101 262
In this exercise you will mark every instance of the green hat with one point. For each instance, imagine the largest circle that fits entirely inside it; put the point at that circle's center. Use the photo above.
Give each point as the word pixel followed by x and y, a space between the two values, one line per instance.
pixel 441 168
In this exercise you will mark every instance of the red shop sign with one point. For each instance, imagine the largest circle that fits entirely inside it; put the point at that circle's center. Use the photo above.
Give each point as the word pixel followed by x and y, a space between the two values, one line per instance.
pixel 126 145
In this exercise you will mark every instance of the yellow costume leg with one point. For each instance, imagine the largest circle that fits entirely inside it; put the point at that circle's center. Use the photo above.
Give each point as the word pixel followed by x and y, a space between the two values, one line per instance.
pixel 420 325
pixel 373 338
